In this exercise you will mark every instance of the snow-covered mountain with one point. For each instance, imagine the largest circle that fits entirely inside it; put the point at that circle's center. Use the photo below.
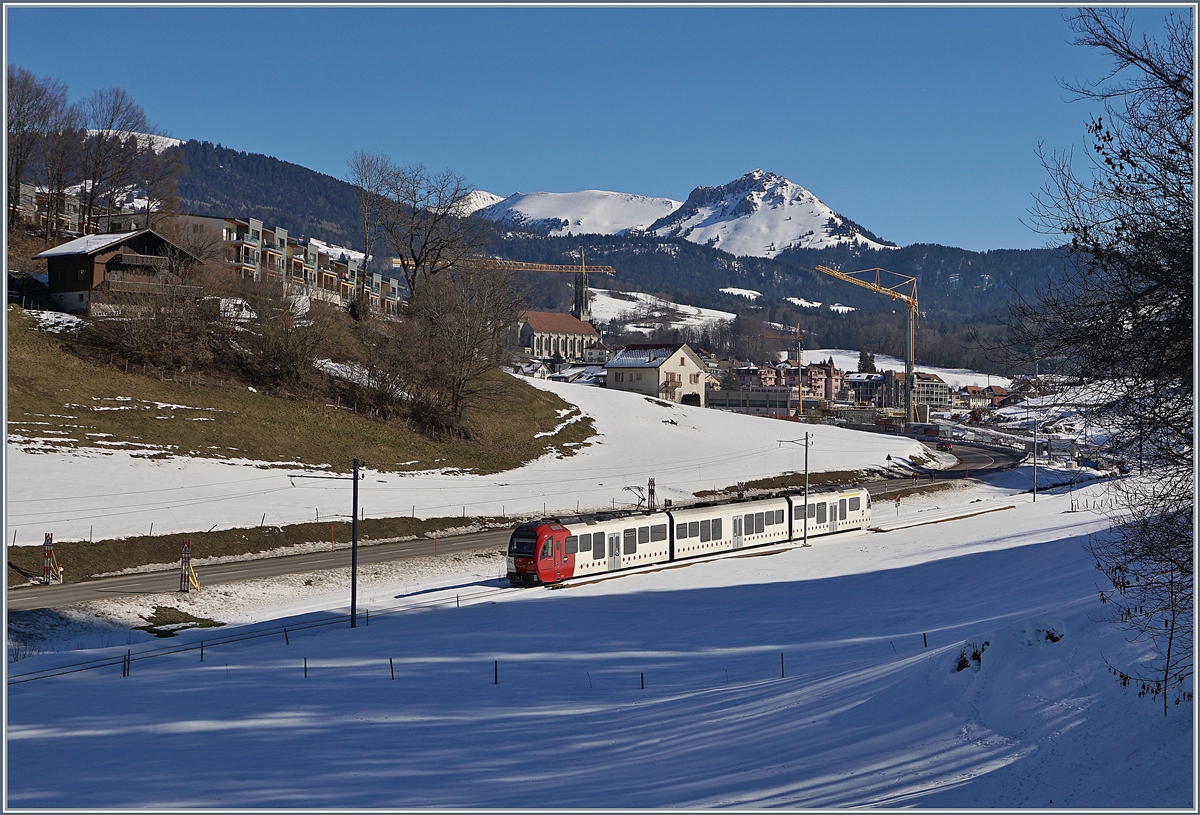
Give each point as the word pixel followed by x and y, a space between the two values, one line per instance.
pixel 596 212
pixel 760 215
pixel 477 200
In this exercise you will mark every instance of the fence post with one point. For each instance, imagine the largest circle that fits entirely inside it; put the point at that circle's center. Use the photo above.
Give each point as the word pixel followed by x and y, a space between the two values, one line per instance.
pixel 782 675
pixel 496 675
pixel 393 667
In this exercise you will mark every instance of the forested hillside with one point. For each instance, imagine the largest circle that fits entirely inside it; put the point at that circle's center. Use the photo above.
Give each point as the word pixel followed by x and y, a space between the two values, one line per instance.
pixel 226 182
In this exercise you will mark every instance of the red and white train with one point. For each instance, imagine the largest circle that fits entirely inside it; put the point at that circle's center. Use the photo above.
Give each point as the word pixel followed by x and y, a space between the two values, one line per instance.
pixel 555 549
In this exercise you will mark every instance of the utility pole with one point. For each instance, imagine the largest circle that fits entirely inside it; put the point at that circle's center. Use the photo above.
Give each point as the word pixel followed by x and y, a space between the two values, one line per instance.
pixel 807 442
pixel 353 539
pixel 354 554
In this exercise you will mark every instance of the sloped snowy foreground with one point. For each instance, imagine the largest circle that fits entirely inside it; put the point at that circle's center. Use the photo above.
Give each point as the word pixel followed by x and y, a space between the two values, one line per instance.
pixel 534 698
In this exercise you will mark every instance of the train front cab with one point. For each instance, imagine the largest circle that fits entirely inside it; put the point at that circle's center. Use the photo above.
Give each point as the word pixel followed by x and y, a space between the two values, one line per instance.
pixel 536 554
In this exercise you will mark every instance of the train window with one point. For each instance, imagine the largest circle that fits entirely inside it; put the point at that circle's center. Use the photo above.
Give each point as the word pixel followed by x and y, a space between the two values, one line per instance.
pixel 770 519
pixel 748 524
pixel 797 512
pixel 716 529
pixel 868 500
pixel 572 544
pixel 812 510
pixel 821 512
pixel 694 529
pixel 680 531
pixel 779 516
pixel 758 523
pixel 855 502
pixel 522 546
pixel 585 542
pixel 842 509
pixel 705 531
pixel 643 534
pixel 658 532
pixel 546 548
pixel 631 541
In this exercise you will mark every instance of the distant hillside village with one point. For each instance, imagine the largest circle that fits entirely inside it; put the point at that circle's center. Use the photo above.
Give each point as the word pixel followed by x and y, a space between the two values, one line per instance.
pixel 120 253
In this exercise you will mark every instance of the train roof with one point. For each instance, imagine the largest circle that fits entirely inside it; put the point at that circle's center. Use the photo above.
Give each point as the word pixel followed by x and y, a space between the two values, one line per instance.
pixel 618 514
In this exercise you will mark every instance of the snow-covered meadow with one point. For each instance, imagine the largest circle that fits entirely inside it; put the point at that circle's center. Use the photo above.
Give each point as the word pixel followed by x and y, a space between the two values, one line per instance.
pixel 804 677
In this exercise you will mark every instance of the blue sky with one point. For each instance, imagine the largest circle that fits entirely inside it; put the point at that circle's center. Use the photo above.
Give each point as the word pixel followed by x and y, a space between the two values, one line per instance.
pixel 921 124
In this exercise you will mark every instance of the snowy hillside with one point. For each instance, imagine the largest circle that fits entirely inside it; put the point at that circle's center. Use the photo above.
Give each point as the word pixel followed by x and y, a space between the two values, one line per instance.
pixel 645 312
pixel 156 142
pixel 952 659
pixel 590 211
pixel 477 200
pixel 760 215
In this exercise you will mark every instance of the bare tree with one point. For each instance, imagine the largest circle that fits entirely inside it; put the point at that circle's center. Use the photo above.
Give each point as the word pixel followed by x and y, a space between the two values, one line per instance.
pixel 369 172
pixel 157 171
pixel 424 225
pixel 30 105
pixel 438 361
pixel 1121 316
pixel 110 149
pixel 60 162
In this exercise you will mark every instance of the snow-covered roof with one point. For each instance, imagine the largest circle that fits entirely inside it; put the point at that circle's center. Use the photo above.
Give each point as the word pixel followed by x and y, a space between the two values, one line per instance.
pixel 87 244
pixel 643 356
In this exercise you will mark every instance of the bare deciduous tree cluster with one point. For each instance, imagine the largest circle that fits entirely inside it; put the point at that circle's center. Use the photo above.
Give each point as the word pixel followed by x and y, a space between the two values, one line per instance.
pixel 1121 318
pixel 104 145
pixel 438 359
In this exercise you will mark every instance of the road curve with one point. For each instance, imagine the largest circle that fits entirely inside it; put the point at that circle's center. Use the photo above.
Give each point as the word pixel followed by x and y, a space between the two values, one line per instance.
pixel 26 598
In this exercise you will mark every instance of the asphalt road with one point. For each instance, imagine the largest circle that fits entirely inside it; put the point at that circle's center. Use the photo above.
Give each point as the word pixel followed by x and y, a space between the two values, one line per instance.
pixel 24 598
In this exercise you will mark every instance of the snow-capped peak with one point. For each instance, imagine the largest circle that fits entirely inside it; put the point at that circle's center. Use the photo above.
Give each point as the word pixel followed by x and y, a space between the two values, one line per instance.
pixel 760 215
pixel 477 200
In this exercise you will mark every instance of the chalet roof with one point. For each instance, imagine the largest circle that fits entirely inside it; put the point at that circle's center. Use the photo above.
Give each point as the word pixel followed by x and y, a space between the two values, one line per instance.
pixel 554 322
pixel 997 390
pixel 864 376
pixel 88 244
pixel 643 355
pixel 927 377
pixel 974 390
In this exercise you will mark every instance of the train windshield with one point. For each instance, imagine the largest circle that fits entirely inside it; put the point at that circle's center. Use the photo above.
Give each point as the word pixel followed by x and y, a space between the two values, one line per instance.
pixel 522 546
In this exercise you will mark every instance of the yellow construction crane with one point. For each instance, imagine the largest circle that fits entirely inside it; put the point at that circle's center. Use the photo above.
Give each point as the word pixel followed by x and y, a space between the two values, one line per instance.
pixel 906 292
pixel 582 309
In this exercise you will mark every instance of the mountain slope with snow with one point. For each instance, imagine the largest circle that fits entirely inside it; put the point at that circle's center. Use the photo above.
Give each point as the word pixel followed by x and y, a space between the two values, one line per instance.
pixel 477 200
pixel 760 215
pixel 596 212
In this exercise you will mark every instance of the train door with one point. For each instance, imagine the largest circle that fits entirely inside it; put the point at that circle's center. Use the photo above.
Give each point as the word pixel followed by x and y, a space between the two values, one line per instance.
pixel 560 559
pixel 614 551
pixel 737 532
pixel 833 517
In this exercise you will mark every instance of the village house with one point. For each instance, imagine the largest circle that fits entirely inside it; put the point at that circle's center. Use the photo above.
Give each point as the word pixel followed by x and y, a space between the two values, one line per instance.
pixel 141 261
pixel 671 372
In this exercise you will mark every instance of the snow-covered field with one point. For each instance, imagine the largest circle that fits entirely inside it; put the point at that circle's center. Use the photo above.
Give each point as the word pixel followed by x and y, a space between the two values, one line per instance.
pixel 637 307
pixel 812 677
pixel 808 677
pixel 98 492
